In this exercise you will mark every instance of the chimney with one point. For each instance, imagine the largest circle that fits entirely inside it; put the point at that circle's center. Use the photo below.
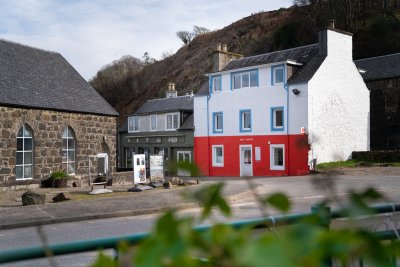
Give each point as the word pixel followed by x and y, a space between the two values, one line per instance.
pixel 331 24
pixel 171 92
pixel 221 57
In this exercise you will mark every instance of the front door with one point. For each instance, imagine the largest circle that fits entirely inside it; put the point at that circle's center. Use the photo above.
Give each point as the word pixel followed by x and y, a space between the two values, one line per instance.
pixel 184 157
pixel 246 161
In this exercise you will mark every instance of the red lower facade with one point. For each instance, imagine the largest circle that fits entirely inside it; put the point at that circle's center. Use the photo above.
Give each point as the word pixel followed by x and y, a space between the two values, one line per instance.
pixel 295 154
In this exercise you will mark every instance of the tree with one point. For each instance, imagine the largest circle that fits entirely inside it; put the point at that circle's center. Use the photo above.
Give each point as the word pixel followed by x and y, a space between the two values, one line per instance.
pixel 185 36
pixel 198 30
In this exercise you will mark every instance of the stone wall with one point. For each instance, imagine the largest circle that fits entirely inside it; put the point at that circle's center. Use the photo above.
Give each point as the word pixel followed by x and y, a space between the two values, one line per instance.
pixel 385 113
pixel 93 134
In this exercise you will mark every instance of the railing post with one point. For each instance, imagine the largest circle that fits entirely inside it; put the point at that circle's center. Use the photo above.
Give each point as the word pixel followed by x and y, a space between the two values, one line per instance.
pixel 323 213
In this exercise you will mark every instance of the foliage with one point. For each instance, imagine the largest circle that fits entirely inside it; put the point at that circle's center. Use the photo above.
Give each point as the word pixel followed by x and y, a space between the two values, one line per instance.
pixel 186 37
pixel 147 59
pixel 59 175
pixel 352 164
pixel 175 242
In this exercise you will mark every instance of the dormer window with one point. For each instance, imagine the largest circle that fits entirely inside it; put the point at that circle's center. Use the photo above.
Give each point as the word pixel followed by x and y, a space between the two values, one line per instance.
pixel 216 84
pixel 133 124
pixel 277 75
pixel 245 79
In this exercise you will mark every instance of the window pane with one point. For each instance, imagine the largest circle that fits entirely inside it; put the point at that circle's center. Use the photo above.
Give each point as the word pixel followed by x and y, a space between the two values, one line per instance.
pixel 218 155
pixel 219 122
pixel 278 156
pixel 237 81
pixel 136 124
pixel 28 158
pixel 246 120
pixel 28 171
pixel 130 124
pixel 279 118
pixel 27 133
pixel 20 157
pixel 247 156
pixel 28 144
pixel 65 133
pixel 71 143
pixel 71 156
pixel 64 156
pixel 153 122
pixel 245 80
pixel 176 121
pixel 253 79
pixel 19 173
pixel 21 132
pixel 279 75
pixel 169 122
pixel 217 84
pixel 71 168
pixel 20 144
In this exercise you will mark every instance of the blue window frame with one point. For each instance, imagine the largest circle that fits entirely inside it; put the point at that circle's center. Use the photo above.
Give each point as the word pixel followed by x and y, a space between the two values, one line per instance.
pixel 215 84
pixel 244 79
pixel 218 122
pixel 245 120
pixel 277 119
pixel 277 74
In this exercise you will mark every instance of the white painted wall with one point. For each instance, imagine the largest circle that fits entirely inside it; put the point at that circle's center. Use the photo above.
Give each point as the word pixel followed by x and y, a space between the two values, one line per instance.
pixel 200 115
pixel 298 108
pixel 338 104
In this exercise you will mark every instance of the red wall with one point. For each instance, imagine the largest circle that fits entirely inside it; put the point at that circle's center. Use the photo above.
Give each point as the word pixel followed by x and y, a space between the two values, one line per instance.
pixel 296 154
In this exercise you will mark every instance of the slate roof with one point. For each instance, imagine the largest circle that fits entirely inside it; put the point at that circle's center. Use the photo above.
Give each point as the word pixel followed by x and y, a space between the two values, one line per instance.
pixel 300 54
pixel 34 78
pixel 179 103
pixel 378 68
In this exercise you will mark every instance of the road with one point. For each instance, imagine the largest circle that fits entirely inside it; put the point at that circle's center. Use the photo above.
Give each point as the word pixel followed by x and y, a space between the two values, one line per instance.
pixel 302 191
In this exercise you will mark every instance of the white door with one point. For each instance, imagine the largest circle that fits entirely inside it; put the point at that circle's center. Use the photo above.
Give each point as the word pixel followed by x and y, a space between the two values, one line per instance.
pixel 246 161
pixel 184 157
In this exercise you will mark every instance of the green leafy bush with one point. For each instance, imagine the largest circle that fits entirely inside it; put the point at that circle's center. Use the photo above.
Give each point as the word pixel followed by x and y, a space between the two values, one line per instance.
pixel 58 175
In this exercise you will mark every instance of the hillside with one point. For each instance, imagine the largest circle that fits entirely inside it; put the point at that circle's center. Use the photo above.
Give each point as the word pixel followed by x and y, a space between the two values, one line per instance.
pixel 376 33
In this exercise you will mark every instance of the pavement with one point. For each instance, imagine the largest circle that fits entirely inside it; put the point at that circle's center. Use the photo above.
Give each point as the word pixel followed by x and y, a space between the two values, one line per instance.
pixel 120 203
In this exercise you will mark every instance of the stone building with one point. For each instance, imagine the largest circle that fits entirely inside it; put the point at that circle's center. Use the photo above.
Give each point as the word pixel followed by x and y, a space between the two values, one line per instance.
pixel 382 76
pixel 50 118
pixel 159 127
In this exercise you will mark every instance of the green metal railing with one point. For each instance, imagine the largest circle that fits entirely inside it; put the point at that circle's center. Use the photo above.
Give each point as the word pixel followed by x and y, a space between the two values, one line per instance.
pixel 28 253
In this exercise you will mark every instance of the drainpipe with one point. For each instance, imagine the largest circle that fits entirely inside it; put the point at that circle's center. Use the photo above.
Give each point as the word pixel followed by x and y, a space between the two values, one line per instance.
pixel 286 86
pixel 208 136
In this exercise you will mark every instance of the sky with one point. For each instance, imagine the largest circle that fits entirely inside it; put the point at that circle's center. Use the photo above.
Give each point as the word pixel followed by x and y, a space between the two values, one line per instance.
pixel 92 33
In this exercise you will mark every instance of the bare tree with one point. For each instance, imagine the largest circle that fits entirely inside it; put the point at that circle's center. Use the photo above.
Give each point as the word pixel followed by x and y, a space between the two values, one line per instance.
pixel 185 36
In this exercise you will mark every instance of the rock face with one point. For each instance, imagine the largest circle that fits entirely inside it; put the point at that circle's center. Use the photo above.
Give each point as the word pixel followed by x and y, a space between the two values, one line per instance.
pixel 32 198
pixel 62 197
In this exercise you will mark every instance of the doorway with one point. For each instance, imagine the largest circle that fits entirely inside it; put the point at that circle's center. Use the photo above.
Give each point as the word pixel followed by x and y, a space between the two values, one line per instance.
pixel 184 157
pixel 246 160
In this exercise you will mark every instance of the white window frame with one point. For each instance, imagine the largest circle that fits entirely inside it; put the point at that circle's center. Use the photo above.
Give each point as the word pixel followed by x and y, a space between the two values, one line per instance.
pixel 214 156
pixel 23 151
pixel 275 127
pixel 151 122
pixel 242 120
pixel 215 121
pixel 132 125
pixel 272 159
pixel 172 115
pixel 68 150
pixel 241 75
pixel 274 70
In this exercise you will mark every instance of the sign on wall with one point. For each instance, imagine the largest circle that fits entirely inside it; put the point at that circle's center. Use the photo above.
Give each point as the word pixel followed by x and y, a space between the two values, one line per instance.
pixel 156 168
pixel 139 168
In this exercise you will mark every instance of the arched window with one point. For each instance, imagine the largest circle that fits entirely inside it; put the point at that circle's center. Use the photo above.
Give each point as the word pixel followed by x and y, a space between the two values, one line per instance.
pixel 24 166
pixel 68 151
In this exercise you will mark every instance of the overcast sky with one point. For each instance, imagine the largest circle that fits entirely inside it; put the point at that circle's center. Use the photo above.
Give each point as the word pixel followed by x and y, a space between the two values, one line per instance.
pixel 93 33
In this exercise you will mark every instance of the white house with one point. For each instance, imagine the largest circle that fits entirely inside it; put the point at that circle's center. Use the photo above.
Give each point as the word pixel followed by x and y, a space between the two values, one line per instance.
pixel 272 114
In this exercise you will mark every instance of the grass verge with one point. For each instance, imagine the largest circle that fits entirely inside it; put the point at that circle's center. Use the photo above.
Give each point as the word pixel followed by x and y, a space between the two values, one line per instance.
pixel 353 164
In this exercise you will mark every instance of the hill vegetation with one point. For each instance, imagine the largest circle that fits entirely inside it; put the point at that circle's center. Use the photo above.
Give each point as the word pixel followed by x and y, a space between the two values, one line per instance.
pixel 127 83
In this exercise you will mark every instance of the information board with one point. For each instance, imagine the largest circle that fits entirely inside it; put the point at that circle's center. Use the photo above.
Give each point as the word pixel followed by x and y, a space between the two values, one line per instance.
pixel 139 168
pixel 156 168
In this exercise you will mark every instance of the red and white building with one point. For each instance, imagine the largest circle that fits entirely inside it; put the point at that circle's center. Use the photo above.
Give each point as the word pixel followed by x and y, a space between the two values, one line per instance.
pixel 272 114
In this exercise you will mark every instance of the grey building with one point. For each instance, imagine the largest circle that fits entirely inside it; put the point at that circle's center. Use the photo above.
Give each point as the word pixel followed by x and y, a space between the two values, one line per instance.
pixel 159 127
pixel 50 118
pixel 382 76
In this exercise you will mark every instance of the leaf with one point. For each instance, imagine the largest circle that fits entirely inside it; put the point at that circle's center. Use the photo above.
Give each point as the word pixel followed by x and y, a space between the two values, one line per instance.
pixel 209 197
pixel 279 201
pixel 104 261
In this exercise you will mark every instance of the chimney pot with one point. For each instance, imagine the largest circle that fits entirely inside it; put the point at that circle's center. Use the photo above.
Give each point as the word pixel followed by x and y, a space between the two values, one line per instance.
pixel 172 86
pixel 332 24
pixel 219 47
pixel 225 48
